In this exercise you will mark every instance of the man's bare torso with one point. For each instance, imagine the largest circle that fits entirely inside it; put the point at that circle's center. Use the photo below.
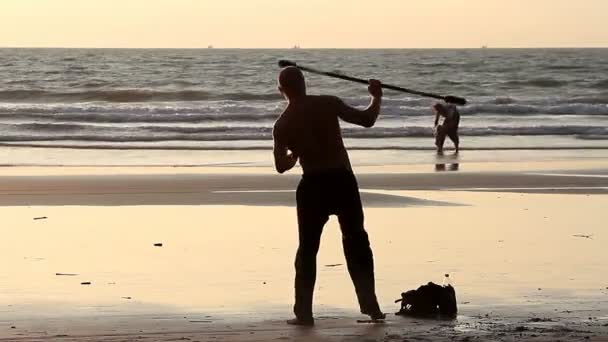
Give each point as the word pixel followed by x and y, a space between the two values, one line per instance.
pixel 310 128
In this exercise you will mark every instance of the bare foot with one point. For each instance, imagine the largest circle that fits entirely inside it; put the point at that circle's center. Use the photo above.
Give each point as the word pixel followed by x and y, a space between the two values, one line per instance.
pixel 376 315
pixel 309 322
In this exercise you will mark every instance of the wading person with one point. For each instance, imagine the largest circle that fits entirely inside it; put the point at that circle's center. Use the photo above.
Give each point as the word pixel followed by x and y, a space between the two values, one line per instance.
pixel 308 131
pixel 449 126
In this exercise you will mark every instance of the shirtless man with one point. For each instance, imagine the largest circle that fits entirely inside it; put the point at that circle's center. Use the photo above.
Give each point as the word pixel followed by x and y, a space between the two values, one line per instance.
pixel 308 131
pixel 449 127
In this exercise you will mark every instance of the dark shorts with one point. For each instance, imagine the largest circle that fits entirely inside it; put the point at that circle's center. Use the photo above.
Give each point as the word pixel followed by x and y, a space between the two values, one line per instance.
pixel 331 192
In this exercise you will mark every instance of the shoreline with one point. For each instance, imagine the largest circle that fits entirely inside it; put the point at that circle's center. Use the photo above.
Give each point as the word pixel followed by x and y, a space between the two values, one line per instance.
pixel 18 157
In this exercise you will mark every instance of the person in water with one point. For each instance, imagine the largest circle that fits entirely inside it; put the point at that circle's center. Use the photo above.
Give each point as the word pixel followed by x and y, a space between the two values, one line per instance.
pixel 449 126
pixel 309 131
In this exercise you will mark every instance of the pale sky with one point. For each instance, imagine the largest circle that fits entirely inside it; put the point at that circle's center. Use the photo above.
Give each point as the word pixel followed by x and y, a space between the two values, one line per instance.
pixel 308 23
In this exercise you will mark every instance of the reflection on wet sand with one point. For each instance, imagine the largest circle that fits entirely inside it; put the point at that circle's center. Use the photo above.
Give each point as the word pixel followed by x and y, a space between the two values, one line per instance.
pixel 447 167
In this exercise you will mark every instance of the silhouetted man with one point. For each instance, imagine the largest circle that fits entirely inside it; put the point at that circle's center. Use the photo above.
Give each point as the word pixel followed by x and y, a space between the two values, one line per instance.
pixel 449 127
pixel 309 131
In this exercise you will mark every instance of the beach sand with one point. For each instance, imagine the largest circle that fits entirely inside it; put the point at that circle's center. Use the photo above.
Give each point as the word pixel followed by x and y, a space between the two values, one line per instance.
pixel 524 245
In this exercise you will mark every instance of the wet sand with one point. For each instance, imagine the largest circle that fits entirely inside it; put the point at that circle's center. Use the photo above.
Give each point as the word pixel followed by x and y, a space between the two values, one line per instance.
pixel 526 250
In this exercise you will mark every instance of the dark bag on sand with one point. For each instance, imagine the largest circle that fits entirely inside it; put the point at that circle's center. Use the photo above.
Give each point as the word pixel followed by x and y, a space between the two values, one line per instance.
pixel 429 300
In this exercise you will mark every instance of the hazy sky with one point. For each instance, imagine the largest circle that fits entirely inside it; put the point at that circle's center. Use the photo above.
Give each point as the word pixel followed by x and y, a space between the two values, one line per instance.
pixel 309 23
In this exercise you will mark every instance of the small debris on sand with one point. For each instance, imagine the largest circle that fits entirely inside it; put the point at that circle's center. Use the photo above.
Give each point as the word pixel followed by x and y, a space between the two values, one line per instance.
pixel 333 265
pixel 584 236
pixel 66 274
pixel 539 289
pixel 538 319
pixel 520 329
pixel 202 321
pixel 35 259
pixel 13 327
pixel 158 245
pixel 126 298
pixel 85 283
pixel 371 321
pixel 40 218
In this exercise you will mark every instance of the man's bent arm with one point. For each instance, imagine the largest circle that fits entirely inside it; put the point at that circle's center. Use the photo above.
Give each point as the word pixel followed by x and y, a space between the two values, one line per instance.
pixel 283 160
pixel 368 116
pixel 362 117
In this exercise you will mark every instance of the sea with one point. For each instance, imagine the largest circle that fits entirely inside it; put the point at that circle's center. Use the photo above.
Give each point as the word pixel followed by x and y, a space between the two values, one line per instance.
pixel 217 106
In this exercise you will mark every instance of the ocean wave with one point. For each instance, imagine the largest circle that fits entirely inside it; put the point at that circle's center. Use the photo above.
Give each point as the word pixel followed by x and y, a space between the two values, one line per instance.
pixel 503 100
pixel 588 99
pixel 531 109
pixel 47 127
pixel 592 137
pixel 117 118
pixel 227 147
pixel 446 64
pixel 59 132
pixel 566 67
pixel 418 131
pixel 395 132
pixel 233 112
pixel 537 82
pixel 603 84
pixel 127 95
pixel 256 109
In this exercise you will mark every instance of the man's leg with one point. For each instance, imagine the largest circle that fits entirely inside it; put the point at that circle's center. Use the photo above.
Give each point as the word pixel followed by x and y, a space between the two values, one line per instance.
pixel 311 219
pixel 440 138
pixel 359 256
pixel 455 139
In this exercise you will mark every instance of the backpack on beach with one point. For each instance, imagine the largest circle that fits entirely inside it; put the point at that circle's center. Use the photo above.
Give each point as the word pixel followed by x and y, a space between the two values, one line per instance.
pixel 429 300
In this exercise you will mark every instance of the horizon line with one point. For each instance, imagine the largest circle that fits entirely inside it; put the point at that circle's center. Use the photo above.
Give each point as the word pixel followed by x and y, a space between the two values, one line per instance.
pixel 484 47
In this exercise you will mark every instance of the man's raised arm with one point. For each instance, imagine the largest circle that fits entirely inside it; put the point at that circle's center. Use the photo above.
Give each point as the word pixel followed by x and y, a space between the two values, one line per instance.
pixel 368 116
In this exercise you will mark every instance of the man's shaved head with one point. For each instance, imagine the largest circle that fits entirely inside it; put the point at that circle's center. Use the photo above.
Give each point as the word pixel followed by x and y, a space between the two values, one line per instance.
pixel 291 82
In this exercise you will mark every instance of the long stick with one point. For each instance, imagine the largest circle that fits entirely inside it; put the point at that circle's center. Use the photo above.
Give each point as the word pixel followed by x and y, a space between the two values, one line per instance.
pixel 449 99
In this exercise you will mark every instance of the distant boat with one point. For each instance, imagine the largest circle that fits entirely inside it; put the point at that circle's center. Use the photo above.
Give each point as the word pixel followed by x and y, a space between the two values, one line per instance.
pixel 484 46
pixel 296 46
pixel 209 46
